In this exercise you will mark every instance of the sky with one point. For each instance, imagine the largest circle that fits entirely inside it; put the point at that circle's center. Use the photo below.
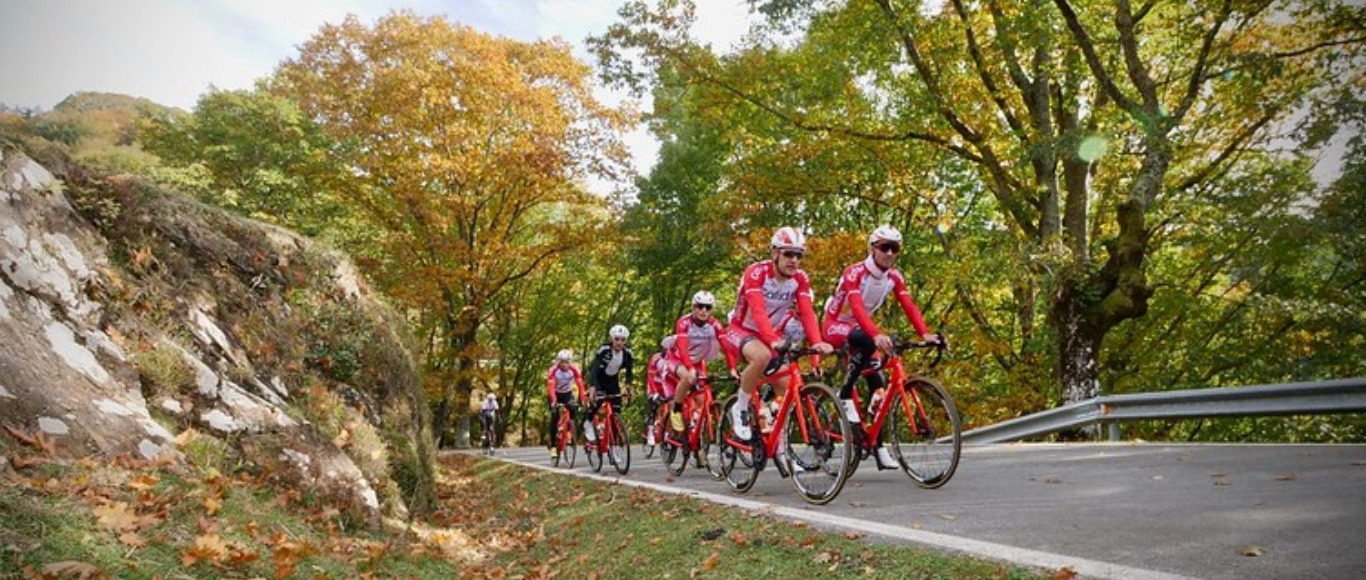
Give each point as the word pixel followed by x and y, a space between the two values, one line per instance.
pixel 172 51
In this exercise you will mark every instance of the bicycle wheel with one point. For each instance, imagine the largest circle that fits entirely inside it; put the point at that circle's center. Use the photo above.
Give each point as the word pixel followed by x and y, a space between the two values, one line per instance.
pixel 590 452
pixel 674 450
pixel 739 458
pixel 926 438
pixel 818 444
pixel 618 446
pixel 568 448
pixel 645 445
pixel 711 449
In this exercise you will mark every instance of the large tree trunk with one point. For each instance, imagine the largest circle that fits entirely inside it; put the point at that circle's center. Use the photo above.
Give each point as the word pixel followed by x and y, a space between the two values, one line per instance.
pixel 464 347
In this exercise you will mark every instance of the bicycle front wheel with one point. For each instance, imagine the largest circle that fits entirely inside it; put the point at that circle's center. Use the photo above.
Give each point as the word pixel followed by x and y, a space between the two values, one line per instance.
pixel 926 434
pixel 594 457
pixel 711 448
pixel 739 458
pixel 817 444
pixel 618 446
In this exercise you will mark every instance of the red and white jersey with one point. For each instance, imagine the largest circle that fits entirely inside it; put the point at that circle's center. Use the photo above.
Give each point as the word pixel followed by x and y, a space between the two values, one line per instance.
pixel 861 291
pixel 701 342
pixel 566 380
pixel 765 303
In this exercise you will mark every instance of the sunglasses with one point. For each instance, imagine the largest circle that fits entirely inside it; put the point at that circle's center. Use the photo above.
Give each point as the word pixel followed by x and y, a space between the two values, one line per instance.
pixel 618 340
pixel 792 254
pixel 702 306
pixel 888 248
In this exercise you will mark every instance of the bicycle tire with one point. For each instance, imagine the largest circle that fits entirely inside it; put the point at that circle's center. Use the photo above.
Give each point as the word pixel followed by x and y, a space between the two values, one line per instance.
pixel 568 448
pixel 928 447
pixel 618 446
pixel 593 455
pixel 645 445
pixel 817 444
pixel 676 461
pixel 740 460
pixel 711 449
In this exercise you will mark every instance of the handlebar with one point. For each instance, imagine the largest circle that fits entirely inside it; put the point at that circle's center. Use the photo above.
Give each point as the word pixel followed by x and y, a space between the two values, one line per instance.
pixel 788 352
pixel 900 344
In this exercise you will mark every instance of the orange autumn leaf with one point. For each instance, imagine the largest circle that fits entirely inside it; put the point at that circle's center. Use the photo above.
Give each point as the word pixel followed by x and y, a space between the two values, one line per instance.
pixel 1065 573
pixel 711 561
pixel 143 482
pixel 212 505
pixel 132 540
pixel 206 548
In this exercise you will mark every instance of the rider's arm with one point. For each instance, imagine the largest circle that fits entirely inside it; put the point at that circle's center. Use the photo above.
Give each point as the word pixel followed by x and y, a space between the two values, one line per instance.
pixel 805 311
pixel 912 311
pixel 578 381
pixel 860 311
pixel 724 344
pixel 550 384
pixel 681 345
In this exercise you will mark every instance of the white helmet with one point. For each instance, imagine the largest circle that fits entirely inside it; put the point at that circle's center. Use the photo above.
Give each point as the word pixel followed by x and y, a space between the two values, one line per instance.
pixel 884 234
pixel 704 298
pixel 788 238
pixel 565 355
pixel 619 331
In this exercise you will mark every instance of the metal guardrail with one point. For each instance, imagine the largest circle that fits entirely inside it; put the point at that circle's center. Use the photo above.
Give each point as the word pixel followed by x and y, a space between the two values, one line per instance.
pixel 1314 398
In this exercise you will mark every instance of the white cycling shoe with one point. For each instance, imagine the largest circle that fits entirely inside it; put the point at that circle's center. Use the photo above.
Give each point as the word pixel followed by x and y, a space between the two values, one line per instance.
pixel 739 420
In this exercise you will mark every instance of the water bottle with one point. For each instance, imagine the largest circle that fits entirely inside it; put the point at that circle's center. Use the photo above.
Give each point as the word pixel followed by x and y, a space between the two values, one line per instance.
pixel 588 430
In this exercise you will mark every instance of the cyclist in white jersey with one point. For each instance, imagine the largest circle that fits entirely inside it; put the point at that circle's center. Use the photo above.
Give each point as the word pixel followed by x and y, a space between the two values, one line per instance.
pixel 771 293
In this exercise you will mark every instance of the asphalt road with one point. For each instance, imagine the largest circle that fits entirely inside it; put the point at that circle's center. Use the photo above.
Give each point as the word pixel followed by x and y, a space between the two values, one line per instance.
pixel 1104 510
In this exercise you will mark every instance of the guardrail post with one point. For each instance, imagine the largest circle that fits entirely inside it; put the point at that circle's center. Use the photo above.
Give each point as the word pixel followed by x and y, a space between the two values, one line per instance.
pixel 1113 430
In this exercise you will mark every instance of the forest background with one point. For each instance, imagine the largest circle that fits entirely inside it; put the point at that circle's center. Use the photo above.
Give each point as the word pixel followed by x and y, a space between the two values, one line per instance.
pixel 1098 198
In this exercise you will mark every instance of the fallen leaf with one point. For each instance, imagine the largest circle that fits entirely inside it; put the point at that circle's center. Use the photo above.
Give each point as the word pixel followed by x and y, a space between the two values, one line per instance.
pixel 72 569
pixel 711 561
pixel 1221 482
pixel 1064 573
pixel 949 517
pixel 1052 479
pixel 185 437
pixel 144 482
pixel 132 540
pixel 1251 551
pixel 212 505
pixel 822 558
pixel 1286 477
pixel 739 539
pixel 853 535
pixel 116 516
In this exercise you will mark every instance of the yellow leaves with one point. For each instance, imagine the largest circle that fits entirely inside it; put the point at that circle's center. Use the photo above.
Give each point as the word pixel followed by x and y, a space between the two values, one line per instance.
pixel 207 548
pixel 116 516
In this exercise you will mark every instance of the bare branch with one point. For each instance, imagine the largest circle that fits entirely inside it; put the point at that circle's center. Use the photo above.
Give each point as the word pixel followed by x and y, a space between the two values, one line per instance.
pixel 1088 49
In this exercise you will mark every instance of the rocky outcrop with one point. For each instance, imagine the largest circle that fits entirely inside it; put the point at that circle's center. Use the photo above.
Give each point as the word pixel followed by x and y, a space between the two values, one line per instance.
pixel 128 314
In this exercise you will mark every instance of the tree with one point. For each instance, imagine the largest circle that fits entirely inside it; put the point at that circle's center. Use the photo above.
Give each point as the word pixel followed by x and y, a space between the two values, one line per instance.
pixel 262 155
pixel 1089 124
pixel 470 153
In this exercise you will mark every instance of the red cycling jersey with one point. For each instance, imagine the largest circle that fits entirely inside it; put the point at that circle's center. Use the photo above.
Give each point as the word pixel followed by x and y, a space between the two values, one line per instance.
pixel 559 380
pixel 861 291
pixel 764 303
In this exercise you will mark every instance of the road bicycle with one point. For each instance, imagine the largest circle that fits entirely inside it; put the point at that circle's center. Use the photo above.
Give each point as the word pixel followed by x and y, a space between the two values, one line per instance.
pixel 808 437
pixel 609 437
pixel 489 419
pixel 565 450
pixel 701 414
pixel 916 416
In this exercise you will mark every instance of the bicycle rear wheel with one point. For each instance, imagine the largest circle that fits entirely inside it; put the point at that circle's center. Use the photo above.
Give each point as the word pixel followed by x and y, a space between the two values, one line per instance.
pixel 817 444
pixel 739 458
pixel 927 438
pixel 618 446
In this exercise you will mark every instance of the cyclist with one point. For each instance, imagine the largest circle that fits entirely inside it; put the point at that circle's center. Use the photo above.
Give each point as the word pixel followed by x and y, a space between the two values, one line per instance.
pixel 695 341
pixel 612 361
pixel 488 413
pixel 563 385
pixel 861 290
pixel 654 389
pixel 771 292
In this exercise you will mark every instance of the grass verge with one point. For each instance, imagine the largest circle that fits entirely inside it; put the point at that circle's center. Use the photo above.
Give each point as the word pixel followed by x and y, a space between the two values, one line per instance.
pixel 542 524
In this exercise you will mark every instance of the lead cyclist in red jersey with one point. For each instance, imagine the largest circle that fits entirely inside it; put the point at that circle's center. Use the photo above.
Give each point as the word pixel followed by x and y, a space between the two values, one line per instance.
pixel 771 293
